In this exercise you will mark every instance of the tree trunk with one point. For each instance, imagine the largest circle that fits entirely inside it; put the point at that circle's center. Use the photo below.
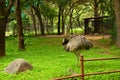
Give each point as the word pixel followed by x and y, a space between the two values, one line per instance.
pixel 70 20
pixel 117 14
pixel 34 20
pixel 21 45
pixel 63 24
pixel 59 15
pixel 38 13
pixel 2 28
pixel 51 23
pixel 14 30
pixel 96 21
pixel 63 20
pixel 4 13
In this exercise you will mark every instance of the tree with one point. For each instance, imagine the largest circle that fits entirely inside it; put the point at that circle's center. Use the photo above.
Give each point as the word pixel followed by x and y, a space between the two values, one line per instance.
pixel 49 13
pixel 117 14
pixel 4 13
pixel 36 6
pixel 34 20
pixel 21 45
pixel 59 17
pixel 61 5
pixel 96 21
pixel 2 28
pixel 71 5
pixel 33 16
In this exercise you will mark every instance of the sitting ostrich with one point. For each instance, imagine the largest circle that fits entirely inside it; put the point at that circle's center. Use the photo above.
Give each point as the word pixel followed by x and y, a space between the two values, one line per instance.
pixel 75 44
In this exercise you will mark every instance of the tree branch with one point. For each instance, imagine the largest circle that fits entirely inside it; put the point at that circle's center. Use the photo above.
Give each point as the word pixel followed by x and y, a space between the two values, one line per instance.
pixel 7 9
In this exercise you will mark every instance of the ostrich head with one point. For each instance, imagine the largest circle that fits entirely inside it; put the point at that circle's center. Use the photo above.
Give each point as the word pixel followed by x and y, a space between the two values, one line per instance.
pixel 65 41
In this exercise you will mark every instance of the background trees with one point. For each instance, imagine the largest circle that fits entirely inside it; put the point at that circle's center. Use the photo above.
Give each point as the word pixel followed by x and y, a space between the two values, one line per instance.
pixel 35 4
pixel 51 16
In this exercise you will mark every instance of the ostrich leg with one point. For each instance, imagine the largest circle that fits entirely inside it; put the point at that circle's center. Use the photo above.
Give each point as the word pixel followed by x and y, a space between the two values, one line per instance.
pixel 77 53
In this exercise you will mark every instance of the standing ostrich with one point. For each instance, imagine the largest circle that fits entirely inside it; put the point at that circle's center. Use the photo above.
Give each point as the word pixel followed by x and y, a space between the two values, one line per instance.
pixel 75 44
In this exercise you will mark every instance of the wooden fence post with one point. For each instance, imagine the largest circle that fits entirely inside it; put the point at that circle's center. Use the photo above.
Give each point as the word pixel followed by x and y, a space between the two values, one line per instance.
pixel 82 66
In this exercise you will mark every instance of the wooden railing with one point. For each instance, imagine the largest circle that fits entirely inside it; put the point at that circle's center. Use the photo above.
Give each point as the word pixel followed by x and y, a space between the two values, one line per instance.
pixel 82 75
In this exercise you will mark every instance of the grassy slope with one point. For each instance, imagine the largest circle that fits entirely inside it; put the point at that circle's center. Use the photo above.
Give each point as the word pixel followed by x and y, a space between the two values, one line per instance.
pixel 50 60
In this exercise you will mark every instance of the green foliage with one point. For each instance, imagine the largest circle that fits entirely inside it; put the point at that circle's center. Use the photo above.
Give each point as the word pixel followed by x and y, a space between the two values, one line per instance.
pixel 48 11
pixel 25 20
pixel 114 50
pixel 12 24
pixel 50 60
pixel 1 17
pixel 114 34
pixel 61 2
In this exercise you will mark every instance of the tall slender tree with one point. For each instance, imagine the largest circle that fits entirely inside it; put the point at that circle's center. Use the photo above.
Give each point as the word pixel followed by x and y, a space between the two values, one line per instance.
pixel 96 20
pixel 34 20
pixel 59 17
pixel 2 28
pixel 61 5
pixel 117 14
pixel 21 45
pixel 4 13
pixel 36 6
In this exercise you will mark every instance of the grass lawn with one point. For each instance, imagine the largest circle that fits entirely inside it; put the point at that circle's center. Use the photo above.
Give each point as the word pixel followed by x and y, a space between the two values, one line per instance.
pixel 50 60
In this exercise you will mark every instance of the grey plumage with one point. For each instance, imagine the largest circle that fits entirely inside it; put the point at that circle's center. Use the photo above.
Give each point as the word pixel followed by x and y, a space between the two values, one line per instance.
pixel 75 44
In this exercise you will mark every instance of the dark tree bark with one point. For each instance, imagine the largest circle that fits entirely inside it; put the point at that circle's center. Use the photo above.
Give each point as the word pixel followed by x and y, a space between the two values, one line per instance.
pixel 63 24
pixel 51 23
pixel 96 20
pixel 70 20
pixel 86 30
pixel 59 16
pixel 2 28
pixel 63 20
pixel 21 45
pixel 4 13
pixel 117 14
pixel 34 20
pixel 38 13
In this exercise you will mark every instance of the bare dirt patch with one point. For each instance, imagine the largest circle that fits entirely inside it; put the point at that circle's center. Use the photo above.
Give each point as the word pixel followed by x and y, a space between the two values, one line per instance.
pixel 91 37
pixel 97 37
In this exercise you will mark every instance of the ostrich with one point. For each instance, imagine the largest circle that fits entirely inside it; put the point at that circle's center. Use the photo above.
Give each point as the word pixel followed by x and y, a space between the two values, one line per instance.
pixel 75 44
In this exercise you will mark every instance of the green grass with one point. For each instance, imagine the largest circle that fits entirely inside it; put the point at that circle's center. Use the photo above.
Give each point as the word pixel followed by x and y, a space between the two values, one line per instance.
pixel 49 60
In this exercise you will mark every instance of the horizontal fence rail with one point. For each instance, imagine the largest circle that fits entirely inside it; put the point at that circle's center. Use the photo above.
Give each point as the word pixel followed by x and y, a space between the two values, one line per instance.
pixel 66 77
pixel 89 74
pixel 113 71
pixel 96 59
pixel 82 75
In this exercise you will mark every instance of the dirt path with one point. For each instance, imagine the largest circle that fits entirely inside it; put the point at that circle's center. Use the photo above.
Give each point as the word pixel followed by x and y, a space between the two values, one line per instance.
pixel 96 37
pixel 91 37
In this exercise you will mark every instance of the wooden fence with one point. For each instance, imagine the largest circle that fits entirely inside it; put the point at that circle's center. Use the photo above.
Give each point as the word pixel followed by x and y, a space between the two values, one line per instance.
pixel 82 75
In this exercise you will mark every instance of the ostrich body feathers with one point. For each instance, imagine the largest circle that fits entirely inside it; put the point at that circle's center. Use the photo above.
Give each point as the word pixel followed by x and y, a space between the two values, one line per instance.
pixel 77 43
